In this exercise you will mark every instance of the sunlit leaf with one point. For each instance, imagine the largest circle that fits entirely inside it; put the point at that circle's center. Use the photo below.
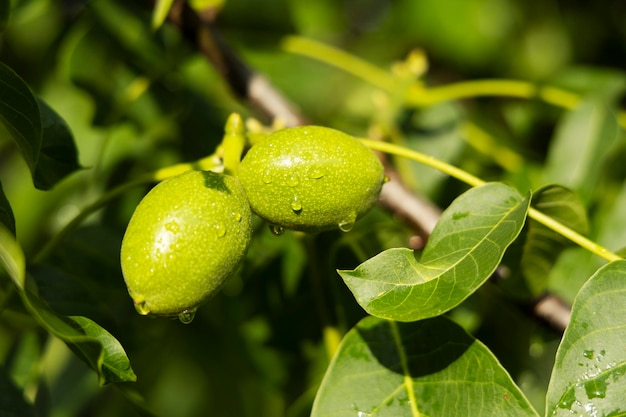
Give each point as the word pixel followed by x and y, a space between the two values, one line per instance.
pixel 426 368
pixel 6 213
pixel 462 252
pixel 542 245
pixel 589 375
pixel 92 343
pixel 160 12
pixel 582 142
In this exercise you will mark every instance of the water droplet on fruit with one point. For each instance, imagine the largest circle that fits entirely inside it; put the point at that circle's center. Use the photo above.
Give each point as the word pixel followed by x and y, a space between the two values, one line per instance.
pixel 237 216
pixel 187 316
pixel 267 177
pixel 293 180
pixel 172 226
pixel 220 230
pixel 348 223
pixel 142 308
pixel 276 229
pixel 386 179
pixel 296 205
pixel 316 173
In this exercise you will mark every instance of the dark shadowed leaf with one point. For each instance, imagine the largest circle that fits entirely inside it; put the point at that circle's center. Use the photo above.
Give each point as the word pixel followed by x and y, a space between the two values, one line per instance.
pixel 41 135
pixel 19 112
pixel 5 11
pixel 93 344
pixel 463 251
pixel 589 375
pixel 6 213
pixel 542 245
pixel 12 402
pixel 426 368
pixel 58 156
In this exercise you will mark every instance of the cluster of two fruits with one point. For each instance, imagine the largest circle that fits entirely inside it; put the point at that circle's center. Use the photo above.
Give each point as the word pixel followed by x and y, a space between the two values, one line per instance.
pixel 190 232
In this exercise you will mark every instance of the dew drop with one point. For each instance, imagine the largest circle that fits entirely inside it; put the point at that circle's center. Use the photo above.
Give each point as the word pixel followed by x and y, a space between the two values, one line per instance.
pixel 348 223
pixel 142 308
pixel 316 173
pixel 187 316
pixel 293 180
pixel 296 205
pixel 237 216
pixel 220 230
pixel 386 179
pixel 172 226
pixel 267 177
pixel 588 354
pixel 276 229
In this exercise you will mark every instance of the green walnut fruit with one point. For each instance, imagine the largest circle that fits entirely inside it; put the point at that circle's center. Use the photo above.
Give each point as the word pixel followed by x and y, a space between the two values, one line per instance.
pixel 185 238
pixel 311 178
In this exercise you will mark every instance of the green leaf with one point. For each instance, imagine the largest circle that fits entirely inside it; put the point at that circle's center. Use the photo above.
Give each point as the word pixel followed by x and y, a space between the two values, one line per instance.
pixel 426 368
pixel 93 344
pixel 161 10
pixel 589 375
pixel 41 135
pixel 19 112
pixel 6 213
pixel 12 402
pixel 542 245
pixel 583 140
pixel 5 11
pixel 58 156
pixel 462 252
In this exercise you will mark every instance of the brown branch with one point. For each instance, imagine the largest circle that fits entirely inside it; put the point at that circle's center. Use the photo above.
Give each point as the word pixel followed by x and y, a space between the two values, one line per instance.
pixel 199 29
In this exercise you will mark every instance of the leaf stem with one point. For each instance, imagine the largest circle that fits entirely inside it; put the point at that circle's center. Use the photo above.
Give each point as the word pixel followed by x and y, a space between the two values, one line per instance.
pixel 475 181
pixel 420 96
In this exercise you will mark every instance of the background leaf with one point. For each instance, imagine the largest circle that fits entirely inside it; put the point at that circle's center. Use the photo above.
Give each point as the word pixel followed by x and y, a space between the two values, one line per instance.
pixel 462 252
pixel 92 343
pixel 12 402
pixel 590 367
pixel 6 213
pixel 426 368
pixel 20 115
pixel 542 245
pixel 5 11
pixel 58 156
pixel 582 142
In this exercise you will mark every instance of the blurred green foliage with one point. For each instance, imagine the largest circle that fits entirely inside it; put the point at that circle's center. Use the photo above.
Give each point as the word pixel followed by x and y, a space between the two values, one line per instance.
pixel 137 100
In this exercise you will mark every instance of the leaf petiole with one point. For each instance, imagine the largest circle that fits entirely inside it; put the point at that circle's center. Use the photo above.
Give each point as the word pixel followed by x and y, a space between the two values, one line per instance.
pixel 474 181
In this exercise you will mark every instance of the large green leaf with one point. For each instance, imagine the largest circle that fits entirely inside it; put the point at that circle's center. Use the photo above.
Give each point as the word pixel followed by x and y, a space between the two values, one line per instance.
pixel 542 245
pixel 41 135
pixel 589 375
pixel 583 140
pixel 93 344
pixel 426 368
pixel 462 252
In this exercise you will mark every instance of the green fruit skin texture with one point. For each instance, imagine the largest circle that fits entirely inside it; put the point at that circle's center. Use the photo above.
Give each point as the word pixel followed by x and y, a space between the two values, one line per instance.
pixel 311 178
pixel 185 238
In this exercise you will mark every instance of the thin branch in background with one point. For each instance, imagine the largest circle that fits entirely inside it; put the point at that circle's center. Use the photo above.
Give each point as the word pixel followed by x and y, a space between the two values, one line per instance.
pixel 261 95
pixel 247 84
